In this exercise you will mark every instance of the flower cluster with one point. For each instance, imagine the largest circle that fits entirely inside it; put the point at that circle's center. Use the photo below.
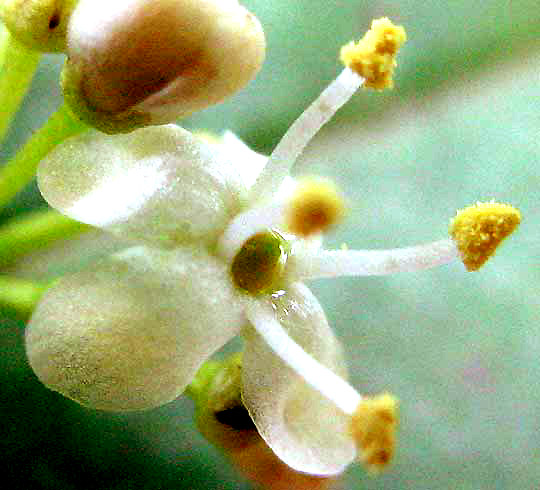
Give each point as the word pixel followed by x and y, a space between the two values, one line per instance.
pixel 224 242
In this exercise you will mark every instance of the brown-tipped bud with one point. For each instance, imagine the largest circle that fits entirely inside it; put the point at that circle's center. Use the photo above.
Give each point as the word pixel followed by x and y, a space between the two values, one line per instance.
pixel 137 62
pixel 40 25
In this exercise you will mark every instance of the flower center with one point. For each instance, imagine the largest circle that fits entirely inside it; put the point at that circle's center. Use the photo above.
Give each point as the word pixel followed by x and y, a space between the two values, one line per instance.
pixel 260 262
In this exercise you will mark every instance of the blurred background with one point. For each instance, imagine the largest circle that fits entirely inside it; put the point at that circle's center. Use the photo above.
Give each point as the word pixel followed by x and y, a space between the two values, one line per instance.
pixel 459 349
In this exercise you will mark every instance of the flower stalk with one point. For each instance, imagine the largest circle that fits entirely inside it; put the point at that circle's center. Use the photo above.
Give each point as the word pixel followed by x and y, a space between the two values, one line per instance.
pixel 34 231
pixel 17 67
pixel 20 295
pixel 21 169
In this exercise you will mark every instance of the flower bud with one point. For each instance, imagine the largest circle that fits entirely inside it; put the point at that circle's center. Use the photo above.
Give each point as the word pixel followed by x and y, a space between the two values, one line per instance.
pixel 220 414
pixel 38 24
pixel 133 63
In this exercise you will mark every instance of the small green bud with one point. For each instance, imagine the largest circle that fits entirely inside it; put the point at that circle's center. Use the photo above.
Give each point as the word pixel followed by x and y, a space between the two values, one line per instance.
pixel 40 25
pixel 133 63
pixel 220 414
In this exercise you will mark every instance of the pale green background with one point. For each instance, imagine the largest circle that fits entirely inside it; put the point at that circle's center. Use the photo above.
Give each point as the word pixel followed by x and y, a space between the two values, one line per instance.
pixel 459 349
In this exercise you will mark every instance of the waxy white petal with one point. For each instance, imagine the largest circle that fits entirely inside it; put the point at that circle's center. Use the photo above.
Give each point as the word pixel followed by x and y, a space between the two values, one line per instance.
pixel 160 185
pixel 306 430
pixel 130 332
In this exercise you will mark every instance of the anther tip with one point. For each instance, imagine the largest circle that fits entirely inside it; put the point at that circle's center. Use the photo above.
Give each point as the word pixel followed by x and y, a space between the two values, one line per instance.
pixel 373 427
pixel 479 229
pixel 315 206
pixel 374 56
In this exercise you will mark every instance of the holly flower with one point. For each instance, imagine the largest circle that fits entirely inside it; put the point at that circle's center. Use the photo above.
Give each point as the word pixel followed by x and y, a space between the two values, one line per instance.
pixel 223 242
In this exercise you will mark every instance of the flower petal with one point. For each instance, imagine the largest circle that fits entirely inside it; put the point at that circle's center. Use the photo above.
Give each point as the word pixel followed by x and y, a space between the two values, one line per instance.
pixel 306 431
pixel 158 184
pixel 131 332
pixel 250 162
pixel 251 165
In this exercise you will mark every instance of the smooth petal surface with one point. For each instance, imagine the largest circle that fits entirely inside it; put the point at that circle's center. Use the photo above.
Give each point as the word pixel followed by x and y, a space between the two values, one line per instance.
pixel 303 428
pixel 165 58
pixel 158 184
pixel 248 161
pixel 251 164
pixel 131 332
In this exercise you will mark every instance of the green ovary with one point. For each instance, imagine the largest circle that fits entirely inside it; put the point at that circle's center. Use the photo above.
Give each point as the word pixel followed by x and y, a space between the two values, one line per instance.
pixel 260 262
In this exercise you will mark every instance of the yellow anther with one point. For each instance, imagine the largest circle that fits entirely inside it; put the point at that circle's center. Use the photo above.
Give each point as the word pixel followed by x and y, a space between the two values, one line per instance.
pixel 478 230
pixel 315 206
pixel 374 56
pixel 373 427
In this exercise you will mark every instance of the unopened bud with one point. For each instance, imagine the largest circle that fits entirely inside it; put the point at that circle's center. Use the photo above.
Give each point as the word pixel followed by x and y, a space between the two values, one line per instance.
pixel 40 25
pixel 220 414
pixel 133 63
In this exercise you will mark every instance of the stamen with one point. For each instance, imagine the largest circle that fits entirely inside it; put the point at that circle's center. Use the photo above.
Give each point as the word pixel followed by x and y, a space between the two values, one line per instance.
pixel 311 264
pixel 262 317
pixel 302 131
pixel 371 60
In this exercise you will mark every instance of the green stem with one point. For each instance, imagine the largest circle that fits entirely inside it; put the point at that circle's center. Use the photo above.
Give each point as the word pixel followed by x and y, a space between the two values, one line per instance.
pixel 34 231
pixel 20 170
pixel 20 295
pixel 17 67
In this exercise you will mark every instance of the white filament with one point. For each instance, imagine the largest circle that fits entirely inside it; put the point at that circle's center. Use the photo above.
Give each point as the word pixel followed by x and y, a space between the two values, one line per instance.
pixel 311 264
pixel 302 131
pixel 329 384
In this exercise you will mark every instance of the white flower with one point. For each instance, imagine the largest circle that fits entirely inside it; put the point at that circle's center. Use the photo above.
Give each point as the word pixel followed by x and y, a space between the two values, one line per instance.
pixel 215 259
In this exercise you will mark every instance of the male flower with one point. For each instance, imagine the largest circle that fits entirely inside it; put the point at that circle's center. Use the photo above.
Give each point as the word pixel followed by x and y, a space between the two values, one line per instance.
pixel 225 240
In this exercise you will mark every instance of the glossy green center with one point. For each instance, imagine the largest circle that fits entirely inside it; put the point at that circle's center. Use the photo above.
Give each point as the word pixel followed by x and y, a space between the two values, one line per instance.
pixel 260 262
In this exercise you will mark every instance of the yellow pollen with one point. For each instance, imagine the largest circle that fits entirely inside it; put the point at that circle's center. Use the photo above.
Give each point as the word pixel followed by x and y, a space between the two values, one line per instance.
pixel 374 56
pixel 315 206
pixel 478 230
pixel 373 427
